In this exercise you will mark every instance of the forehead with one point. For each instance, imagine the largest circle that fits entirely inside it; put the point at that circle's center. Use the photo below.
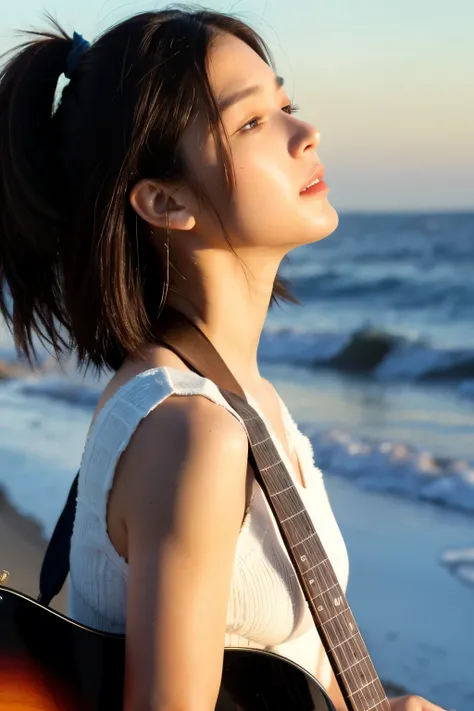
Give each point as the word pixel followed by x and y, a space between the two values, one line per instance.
pixel 232 65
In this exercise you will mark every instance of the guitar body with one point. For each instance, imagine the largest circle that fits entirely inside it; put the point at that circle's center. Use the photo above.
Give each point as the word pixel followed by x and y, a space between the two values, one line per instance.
pixel 49 663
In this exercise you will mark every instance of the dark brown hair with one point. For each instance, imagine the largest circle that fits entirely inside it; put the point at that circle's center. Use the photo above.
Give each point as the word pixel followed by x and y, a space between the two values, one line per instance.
pixel 77 261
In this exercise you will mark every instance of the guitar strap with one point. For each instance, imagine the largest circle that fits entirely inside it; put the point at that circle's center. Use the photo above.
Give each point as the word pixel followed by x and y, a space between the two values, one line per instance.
pixel 55 566
pixel 185 339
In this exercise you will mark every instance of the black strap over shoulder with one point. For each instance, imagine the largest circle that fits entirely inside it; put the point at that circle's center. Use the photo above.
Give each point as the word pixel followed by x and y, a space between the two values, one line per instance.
pixel 181 336
pixel 55 567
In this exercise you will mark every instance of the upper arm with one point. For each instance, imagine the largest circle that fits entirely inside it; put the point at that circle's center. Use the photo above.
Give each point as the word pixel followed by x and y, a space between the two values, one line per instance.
pixel 184 477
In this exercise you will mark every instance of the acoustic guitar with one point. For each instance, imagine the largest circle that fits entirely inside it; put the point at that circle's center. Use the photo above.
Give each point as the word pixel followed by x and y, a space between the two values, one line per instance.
pixel 50 663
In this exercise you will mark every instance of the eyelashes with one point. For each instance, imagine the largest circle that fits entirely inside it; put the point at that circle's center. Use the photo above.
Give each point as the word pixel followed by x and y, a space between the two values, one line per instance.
pixel 291 109
pixel 257 120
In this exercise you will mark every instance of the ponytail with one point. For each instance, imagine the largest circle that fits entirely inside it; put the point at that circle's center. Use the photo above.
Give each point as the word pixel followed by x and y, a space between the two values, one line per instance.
pixel 78 269
pixel 30 215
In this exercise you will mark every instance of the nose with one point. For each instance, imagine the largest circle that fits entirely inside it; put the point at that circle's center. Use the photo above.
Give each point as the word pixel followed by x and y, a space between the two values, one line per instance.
pixel 305 139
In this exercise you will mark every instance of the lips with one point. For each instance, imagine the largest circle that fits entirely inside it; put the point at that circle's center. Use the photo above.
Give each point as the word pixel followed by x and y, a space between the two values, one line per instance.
pixel 317 175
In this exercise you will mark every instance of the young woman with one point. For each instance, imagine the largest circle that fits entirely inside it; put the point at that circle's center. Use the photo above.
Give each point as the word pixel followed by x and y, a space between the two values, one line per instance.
pixel 173 170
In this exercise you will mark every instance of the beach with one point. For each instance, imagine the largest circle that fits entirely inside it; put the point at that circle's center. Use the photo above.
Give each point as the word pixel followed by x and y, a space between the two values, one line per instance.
pixel 22 547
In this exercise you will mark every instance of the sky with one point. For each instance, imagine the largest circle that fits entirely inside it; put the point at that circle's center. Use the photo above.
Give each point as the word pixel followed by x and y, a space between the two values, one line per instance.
pixel 389 84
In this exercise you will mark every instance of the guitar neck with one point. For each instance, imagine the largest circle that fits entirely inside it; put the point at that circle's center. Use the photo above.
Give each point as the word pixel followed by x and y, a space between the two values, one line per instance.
pixel 338 630
pixel 340 635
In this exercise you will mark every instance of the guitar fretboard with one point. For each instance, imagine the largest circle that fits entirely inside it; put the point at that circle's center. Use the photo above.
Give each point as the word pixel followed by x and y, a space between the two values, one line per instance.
pixel 340 635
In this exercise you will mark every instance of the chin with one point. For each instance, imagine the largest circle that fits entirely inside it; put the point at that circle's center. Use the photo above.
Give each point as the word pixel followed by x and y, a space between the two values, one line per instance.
pixel 324 223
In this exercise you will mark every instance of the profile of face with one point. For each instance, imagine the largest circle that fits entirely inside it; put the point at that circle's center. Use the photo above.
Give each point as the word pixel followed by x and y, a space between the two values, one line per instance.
pixel 274 158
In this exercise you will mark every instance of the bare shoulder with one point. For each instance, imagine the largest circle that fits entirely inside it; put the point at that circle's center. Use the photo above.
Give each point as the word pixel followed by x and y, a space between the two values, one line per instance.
pixel 189 448
pixel 184 501
pixel 185 421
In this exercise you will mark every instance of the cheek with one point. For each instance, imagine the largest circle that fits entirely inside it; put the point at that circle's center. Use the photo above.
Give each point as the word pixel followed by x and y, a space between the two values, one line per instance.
pixel 265 193
pixel 266 184
pixel 264 174
pixel 209 178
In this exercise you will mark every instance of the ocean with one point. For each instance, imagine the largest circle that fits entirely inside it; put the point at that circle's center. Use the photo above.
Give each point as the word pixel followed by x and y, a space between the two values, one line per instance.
pixel 388 325
pixel 377 367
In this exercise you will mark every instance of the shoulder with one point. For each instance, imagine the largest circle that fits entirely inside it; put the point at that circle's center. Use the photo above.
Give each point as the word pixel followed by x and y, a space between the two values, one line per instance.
pixel 188 446
pixel 192 418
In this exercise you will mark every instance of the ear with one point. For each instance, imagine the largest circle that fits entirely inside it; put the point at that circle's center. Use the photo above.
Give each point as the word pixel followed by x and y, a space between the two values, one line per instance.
pixel 162 205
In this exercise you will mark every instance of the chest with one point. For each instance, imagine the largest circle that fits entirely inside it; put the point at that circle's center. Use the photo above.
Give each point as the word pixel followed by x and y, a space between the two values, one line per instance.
pixel 266 603
pixel 270 408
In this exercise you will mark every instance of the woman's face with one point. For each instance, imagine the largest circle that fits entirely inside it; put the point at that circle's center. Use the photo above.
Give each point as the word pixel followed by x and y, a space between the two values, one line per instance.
pixel 274 157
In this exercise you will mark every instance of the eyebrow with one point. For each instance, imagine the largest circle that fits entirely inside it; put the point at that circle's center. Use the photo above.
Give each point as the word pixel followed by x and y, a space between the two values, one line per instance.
pixel 229 101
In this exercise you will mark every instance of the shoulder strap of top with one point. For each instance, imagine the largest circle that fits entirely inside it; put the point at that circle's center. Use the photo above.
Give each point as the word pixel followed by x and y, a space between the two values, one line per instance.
pixel 118 420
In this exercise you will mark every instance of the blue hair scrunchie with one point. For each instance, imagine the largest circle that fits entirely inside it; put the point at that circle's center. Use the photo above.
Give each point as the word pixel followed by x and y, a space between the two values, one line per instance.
pixel 79 46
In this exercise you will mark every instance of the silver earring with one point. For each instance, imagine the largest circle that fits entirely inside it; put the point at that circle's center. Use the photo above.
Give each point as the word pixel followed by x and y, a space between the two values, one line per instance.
pixel 164 293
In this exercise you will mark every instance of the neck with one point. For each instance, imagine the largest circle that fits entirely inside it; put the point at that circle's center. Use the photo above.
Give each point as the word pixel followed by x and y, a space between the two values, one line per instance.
pixel 228 299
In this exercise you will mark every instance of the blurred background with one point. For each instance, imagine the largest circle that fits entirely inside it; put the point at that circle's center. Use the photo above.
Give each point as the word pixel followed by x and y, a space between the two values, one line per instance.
pixel 377 365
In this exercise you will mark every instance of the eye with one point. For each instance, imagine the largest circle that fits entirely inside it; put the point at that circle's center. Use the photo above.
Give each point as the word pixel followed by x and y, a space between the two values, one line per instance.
pixel 290 109
pixel 256 120
pixel 253 123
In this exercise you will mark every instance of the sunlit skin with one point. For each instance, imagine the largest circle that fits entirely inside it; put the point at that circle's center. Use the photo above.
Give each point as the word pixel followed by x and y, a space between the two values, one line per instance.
pixel 274 156
pixel 227 291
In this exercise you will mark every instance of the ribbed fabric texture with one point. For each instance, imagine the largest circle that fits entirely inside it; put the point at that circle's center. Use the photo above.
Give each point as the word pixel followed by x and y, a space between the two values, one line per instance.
pixel 266 608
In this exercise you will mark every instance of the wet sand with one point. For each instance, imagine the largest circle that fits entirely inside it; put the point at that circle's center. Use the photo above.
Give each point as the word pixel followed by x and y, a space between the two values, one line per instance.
pixel 22 548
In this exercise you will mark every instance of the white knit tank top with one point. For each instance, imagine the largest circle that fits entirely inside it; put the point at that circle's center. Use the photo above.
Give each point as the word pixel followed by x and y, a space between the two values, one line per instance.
pixel 266 607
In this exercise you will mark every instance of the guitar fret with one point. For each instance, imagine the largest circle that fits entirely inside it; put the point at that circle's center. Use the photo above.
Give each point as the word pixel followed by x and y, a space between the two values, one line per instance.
pixel 321 592
pixel 357 680
pixel 304 539
pixel 343 671
pixel 364 701
pixel 364 687
pixel 270 466
pixel 330 605
pixel 346 650
pixel 277 493
pixel 316 565
pixel 343 628
pixel 343 642
pixel 354 664
pixel 334 616
pixel 288 518
pixel 261 442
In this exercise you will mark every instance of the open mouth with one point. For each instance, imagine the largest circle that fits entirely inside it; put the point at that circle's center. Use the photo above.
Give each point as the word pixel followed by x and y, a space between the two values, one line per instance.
pixel 316 183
